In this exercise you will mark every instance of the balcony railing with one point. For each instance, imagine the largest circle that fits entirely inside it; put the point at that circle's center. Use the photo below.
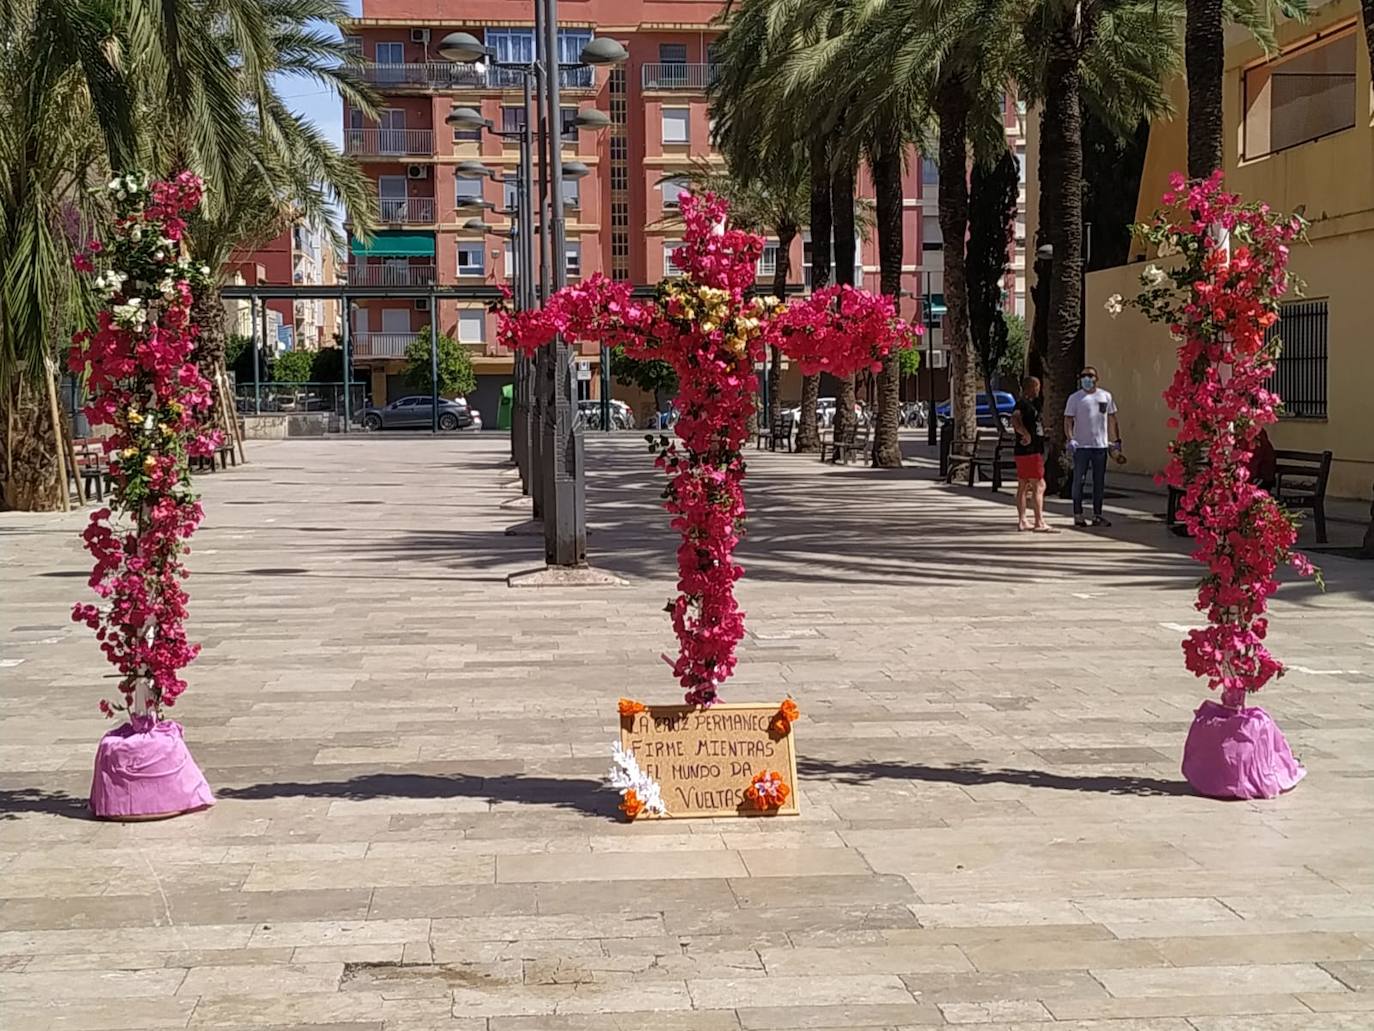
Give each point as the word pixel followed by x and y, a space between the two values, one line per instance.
pixel 391 275
pixel 389 141
pixel 407 211
pixel 452 75
pixel 678 76
pixel 382 345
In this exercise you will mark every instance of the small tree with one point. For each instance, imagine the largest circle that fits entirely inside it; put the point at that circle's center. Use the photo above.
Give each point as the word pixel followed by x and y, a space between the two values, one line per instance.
pixel 292 367
pixel 652 375
pixel 326 365
pixel 455 366
pixel 992 219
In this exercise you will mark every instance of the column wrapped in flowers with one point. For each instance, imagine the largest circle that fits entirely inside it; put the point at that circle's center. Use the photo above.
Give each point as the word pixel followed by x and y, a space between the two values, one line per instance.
pixel 144 386
pixel 702 324
pixel 1219 300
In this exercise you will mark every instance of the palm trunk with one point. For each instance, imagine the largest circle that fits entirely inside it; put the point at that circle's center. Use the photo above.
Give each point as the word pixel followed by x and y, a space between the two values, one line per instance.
pixel 952 107
pixel 786 235
pixel 1204 54
pixel 31 480
pixel 1367 6
pixel 1062 144
pixel 842 211
pixel 808 433
pixel 886 165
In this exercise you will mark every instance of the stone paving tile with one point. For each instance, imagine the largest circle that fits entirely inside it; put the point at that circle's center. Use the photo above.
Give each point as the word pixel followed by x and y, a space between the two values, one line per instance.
pixel 412 830
pixel 789 1018
pixel 1218 980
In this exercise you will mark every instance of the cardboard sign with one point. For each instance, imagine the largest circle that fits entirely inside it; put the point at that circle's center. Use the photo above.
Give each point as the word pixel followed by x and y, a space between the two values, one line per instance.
pixel 705 759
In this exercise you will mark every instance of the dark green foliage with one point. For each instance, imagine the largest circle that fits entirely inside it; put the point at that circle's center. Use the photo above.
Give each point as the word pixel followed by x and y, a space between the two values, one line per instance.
pixel 992 222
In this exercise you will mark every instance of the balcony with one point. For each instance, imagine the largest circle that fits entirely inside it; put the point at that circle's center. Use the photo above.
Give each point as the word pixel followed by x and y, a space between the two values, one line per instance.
pixel 391 275
pixel 448 75
pixel 678 76
pixel 402 142
pixel 382 345
pixel 409 211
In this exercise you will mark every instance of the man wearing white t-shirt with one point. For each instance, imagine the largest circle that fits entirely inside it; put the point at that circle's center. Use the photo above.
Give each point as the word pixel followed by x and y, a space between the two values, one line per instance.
pixel 1091 430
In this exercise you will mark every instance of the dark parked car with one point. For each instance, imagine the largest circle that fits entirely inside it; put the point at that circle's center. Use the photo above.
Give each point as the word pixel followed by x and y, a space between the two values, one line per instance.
pixel 416 412
pixel 1005 404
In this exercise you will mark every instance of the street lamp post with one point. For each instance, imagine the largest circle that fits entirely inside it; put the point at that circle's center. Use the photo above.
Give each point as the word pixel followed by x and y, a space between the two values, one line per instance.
pixel 561 502
pixel 928 311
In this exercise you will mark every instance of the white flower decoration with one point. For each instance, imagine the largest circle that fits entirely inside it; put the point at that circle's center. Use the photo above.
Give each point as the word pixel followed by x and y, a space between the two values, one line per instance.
pixel 1114 306
pixel 135 234
pixel 626 775
pixel 1153 275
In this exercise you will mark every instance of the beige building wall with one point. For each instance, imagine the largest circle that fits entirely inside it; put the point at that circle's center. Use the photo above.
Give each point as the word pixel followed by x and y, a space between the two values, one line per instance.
pixel 1333 178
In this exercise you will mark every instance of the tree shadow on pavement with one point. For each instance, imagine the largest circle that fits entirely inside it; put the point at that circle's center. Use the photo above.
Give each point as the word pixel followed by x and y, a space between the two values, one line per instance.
pixel 14 801
pixel 971 774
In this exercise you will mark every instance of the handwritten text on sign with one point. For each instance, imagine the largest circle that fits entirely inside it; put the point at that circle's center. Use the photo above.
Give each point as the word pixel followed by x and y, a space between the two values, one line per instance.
pixel 704 759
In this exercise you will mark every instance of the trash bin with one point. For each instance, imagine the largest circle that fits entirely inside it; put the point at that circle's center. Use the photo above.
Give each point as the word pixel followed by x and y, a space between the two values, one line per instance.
pixel 503 413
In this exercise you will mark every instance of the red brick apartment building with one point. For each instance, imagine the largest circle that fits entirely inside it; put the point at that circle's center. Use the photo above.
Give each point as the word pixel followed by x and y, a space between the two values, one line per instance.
pixel 619 217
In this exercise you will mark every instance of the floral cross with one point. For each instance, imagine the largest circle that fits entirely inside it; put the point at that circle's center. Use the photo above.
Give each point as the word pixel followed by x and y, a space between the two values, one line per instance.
pixel 702 325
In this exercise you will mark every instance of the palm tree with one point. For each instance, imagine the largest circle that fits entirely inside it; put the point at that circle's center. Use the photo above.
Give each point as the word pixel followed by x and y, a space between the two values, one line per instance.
pixel 91 86
pixel 1367 6
pixel 50 154
pixel 1113 55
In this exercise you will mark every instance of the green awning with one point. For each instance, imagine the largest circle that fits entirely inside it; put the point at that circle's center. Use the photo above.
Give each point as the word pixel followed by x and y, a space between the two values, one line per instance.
pixel 399 243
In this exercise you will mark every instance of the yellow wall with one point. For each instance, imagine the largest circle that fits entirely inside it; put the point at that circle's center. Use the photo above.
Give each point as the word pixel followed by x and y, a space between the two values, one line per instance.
pixel 1334 179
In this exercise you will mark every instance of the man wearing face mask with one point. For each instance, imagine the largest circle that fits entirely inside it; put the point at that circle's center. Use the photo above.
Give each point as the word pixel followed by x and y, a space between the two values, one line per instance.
pixel 1091 429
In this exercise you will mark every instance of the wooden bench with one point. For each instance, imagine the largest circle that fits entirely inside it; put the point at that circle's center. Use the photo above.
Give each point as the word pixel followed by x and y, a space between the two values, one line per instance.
pixel 765 434
pixel 853 441
pixel 92 467
pixel 1300 479
pixel 225 453
pixel 989 454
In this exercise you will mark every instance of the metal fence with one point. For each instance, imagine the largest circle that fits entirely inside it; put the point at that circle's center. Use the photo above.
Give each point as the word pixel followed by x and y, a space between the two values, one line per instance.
pixel 293 398
pixel 452 75
pixel 1300 376
pixel 670 76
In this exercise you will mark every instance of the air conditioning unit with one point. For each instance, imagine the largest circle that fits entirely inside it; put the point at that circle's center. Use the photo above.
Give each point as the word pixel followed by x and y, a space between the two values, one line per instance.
pixel 417 171
pixel 419 35
pixel 422 304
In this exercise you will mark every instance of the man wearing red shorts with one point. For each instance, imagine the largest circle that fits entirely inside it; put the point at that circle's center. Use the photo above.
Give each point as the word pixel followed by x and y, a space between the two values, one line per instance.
pixel 1029 450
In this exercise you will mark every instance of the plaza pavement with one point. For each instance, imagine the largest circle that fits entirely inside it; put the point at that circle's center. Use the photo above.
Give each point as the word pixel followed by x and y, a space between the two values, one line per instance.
pixel 412 832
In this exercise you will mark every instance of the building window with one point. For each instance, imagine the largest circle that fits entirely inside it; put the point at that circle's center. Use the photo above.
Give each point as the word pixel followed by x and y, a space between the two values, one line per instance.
pixel 675 122
pixel 672 53
pixel 464 188
pixel 673 189
pixel 391 53
pixel 572 259
pixel 768 260
pixel 567 124
pixel 472 325
pixel 669 267
pixel 1302 96
pixel 1300 375
pixel 1021 163
pixel 510 192
pixel 572 193
pixel 930 171
pixel 354 45
pixel 467 135
pixel 513 118
pixel 570 44
pixel 513 45
pixel 931 237
pixel 471 257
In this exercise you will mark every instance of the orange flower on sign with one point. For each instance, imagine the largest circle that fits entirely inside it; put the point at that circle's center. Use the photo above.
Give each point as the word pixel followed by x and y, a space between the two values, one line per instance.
pixel 781 723
pixel 630 804
pixel 630 707
pixel 767 790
